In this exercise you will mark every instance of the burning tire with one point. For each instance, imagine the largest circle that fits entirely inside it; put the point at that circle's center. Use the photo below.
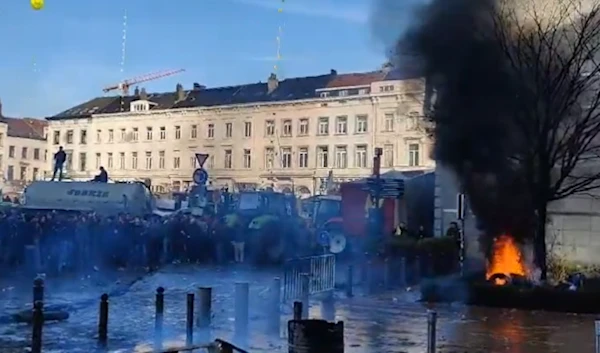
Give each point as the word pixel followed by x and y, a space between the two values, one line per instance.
pixel 500 279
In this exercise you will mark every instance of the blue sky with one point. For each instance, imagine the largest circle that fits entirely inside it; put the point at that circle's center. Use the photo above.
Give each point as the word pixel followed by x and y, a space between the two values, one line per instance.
pixel 63 55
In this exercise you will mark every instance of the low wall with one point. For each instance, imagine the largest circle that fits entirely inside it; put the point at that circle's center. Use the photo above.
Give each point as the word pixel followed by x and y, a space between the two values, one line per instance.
pixel 573 230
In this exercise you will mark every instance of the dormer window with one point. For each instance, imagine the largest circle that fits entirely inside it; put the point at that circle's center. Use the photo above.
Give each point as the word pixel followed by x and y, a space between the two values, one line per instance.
pixel 324 94
pixel 343 93
pixel 140 106
pixel 388 88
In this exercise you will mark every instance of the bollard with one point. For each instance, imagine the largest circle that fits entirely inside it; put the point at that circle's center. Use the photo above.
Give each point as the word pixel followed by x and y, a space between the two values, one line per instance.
pixel 370 277
pixel 158 318
pixel 402 272
pixel 204 307
pixel 242 292
pixel 38 290
pixel 304 293
pixel 387 273
pixel 297 310
pixel 364 273
pixel 37 325
pixel 328 306
pixel 431 328
pixel 275 320
pixel 597 327
pixel 350 281
pixel 103 321
pixel 417 270
pixel 315 336
pixel 189 324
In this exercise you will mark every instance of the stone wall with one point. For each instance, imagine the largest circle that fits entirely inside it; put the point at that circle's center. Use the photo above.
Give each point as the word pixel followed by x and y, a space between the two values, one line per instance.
pixel 445 212
pixel 573 230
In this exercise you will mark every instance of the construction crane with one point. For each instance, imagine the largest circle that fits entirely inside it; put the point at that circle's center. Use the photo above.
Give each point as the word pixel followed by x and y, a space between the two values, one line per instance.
pixel 124 85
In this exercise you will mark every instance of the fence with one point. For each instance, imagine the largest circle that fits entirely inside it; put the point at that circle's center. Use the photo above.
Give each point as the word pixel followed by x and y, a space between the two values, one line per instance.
pixel 315 272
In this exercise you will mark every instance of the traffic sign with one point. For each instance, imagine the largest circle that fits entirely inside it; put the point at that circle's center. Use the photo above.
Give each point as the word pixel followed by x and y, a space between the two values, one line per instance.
pixel 201 158
pixel 200 176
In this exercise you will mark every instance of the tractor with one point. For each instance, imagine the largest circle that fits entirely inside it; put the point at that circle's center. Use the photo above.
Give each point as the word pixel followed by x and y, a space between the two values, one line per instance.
pixel 275 231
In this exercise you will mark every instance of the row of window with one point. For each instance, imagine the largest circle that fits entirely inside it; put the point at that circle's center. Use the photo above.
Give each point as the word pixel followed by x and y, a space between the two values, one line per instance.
pixel 323 126
pixel 118 161
pixel 23 173
pixel 286 158
pixel 354 92
pixel 339 159
pixel 25 153
pixel 341 127
pixel 133 135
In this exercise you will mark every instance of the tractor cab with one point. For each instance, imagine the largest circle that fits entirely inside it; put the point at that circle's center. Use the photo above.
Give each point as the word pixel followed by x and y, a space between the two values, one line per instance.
pixel 326 209
pixel 254 203
pixel 274 229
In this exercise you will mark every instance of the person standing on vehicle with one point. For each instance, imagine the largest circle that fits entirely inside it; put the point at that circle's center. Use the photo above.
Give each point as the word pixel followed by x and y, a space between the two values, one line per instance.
pixel 60 158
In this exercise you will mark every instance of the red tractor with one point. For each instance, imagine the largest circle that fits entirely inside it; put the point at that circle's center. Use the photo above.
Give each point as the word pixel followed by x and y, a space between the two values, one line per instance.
pixel 340 221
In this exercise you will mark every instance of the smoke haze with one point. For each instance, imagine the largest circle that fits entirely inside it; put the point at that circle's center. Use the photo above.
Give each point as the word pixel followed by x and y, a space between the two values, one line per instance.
pixel 454 42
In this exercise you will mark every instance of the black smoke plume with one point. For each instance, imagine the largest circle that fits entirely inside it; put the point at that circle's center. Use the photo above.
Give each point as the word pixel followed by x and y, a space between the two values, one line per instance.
pixel 455 42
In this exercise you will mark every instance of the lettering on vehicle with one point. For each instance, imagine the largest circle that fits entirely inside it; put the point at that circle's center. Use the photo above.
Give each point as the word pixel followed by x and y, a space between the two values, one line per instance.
pixel 91 193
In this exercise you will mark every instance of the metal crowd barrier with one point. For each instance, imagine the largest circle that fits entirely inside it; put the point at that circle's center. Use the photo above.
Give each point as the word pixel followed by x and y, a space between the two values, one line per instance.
pixel 321 275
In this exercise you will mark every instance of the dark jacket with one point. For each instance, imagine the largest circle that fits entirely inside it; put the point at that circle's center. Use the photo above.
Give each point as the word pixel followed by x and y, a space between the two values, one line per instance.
pixel 60 157
pixel 102 177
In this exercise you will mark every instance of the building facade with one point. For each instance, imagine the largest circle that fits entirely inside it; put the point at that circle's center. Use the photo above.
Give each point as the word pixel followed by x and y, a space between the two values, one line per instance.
pixel 287 134
pixel 23 152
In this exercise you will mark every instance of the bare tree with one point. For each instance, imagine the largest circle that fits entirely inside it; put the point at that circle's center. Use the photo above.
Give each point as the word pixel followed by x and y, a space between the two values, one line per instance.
pixel 551 51
pixel 517 105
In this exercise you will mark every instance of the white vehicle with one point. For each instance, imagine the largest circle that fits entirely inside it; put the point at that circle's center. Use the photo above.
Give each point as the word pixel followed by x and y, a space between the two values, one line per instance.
pixel 104 198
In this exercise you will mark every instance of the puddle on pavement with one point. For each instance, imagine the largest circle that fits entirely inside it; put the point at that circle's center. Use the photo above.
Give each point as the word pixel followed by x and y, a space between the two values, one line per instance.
pixel 387 323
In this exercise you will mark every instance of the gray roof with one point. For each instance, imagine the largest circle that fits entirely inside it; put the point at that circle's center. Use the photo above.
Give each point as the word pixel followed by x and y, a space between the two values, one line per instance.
pixel 287 90
pixel 25 127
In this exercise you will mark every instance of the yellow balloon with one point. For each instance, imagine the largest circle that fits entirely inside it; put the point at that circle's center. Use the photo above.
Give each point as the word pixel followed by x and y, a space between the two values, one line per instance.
pixel 37 4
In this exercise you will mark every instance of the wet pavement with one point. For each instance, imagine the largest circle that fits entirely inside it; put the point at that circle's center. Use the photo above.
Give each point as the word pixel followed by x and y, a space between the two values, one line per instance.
pixel 389 322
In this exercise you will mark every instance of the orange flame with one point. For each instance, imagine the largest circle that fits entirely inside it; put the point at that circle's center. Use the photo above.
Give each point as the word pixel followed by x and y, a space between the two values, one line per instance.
pixel 506 259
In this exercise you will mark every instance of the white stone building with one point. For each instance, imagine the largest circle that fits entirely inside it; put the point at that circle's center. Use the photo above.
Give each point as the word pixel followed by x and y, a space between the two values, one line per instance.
pixel 289 133
pixel 23 152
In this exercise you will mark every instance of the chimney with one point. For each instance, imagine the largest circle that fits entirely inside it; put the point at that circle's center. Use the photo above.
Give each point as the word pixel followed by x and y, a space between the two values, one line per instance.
pixel 143 95
pixel 1 108
pixel 198 87
pixel 180 92
pixel 272 83
pixel 333 72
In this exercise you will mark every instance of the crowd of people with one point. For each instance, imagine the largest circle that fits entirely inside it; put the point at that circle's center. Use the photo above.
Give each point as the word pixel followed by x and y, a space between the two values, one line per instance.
pixel 80 241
